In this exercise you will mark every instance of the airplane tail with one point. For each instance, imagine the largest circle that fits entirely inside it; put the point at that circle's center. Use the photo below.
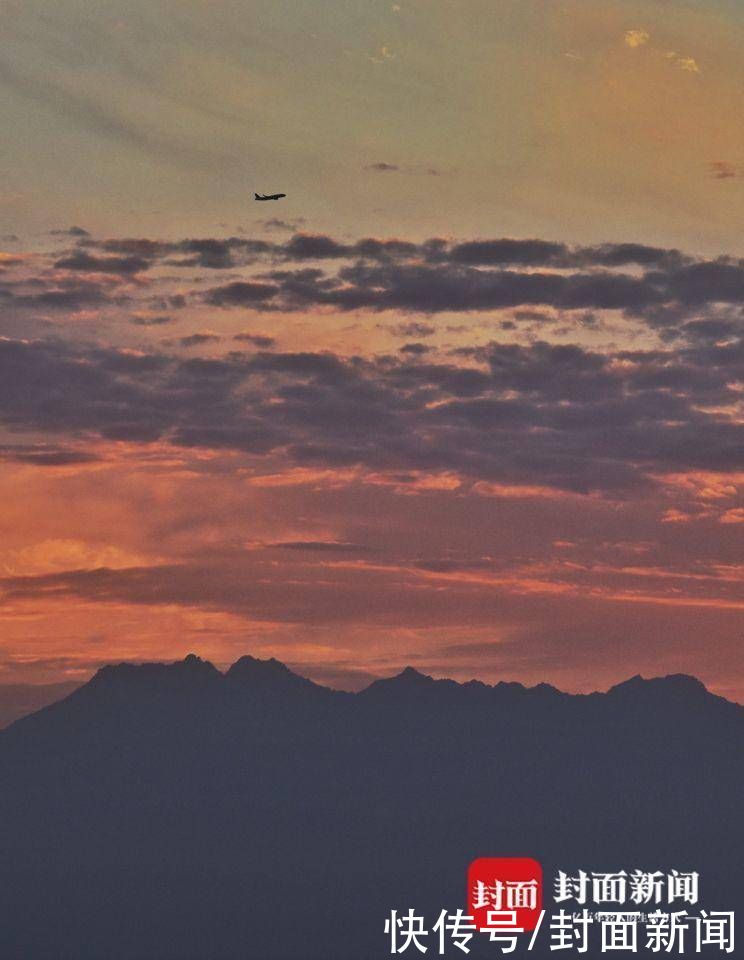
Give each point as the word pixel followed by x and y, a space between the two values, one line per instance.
pixel 256 196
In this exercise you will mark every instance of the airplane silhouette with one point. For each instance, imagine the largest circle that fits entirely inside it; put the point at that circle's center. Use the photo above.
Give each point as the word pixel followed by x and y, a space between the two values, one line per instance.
pixel 269 196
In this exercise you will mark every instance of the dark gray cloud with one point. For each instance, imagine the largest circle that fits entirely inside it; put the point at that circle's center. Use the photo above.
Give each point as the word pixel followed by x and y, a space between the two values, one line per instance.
pixel 525 252
pixel 134 247
pixel 199 339
pixel 141 320
pixel 306 246
pixel 60 293
pixel 70 232
pixel 697 283
pixel 221 254
pixel 415 169
pixel 43 455
pixel 241 293
pixel 502 251
pixel 657 285
pixel 629 254
pixel 661 286
pixel 214 253
pixel 259 340
pixel 711 329
pixel 542 282
pixel 273 223
pixel 561 416
pixel 412 329
pixel 85 262
pixel 432 288
pixel 224 252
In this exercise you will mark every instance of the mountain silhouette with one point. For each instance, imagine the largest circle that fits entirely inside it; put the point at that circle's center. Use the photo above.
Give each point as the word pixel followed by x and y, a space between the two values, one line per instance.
pixel 19 699
pixel 176 812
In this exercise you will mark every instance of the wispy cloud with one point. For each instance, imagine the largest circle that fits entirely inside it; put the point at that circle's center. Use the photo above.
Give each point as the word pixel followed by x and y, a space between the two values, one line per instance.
pixel 383 55
pixel 688 64
pixel 199 339
pixel 382 167
pixel 290 226
pixel 104 119
pixel 415 169
pixel 640 38
pixel 723 170
pixel 637 38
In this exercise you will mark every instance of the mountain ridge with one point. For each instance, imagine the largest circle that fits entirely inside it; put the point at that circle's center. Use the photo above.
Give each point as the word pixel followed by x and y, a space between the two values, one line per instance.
pixel 267 685
pixel 248 668
pixel 202 802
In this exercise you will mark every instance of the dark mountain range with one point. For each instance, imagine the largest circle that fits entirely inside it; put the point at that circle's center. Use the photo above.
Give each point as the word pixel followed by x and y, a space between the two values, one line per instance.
pixel 19 699
pixel 178 813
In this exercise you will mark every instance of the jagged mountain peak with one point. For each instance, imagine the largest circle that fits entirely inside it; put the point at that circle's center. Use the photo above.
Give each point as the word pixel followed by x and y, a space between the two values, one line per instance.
pixel 408 679
pixel 412 675
pixel 271 673
pixel 191 667
pixel 248 664
pixel 271 677
pixel 679 684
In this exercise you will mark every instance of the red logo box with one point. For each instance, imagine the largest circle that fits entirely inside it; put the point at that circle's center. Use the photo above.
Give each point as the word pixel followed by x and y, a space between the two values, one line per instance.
pixel 505 893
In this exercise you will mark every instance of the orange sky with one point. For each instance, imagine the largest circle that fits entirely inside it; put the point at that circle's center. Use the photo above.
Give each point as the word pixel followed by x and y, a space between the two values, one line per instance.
pixel 469 399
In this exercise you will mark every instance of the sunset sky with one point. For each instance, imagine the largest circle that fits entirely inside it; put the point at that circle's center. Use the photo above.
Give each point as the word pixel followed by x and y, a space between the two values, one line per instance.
pixel 469 398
